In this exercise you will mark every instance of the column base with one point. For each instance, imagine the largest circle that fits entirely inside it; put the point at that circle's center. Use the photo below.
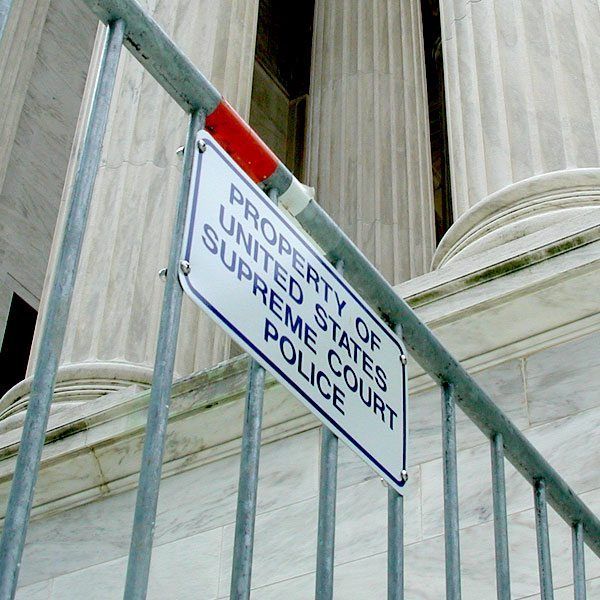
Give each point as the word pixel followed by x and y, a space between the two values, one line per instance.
pixel 525 207
pixel 75 384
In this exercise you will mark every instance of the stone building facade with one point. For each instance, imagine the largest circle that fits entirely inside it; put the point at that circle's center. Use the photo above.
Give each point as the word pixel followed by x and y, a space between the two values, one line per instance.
pixel 399 113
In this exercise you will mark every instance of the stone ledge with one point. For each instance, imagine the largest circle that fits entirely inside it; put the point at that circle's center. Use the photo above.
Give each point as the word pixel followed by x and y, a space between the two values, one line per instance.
pixel 99 443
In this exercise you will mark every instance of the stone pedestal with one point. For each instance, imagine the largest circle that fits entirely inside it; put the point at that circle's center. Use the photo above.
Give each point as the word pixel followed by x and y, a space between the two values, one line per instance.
pixel 113 323
pixel 523 107
pixel 369 152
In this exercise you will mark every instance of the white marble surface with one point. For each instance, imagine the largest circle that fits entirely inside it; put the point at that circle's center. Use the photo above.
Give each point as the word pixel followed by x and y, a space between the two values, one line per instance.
pixel 566 442
pixel 522 311
pixel 60 545
pixel 286 528
pixel 190 502
pixel 284 545
pixel 132 211
pixel 368 139
pixel 505 385
pixel 42 79
pixel 521 101
pixel 180 570
pixel 286 539
pixel 563 380
pixel 37 591
pixel 351 468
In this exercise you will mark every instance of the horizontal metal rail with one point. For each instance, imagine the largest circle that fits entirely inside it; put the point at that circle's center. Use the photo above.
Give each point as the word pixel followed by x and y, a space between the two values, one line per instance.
pixel 195 94
pixel 437 361
pixel 159 55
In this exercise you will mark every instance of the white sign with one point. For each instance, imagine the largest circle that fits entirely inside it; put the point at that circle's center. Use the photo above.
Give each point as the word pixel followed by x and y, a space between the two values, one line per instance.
pixel 270 288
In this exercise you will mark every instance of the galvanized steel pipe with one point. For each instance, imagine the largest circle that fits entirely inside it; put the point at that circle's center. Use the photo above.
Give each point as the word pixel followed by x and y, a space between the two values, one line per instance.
pixel 245 519
pixel 500 518
pixel 138 567
pixel 543 540
pixel 55 324
pixel 451 524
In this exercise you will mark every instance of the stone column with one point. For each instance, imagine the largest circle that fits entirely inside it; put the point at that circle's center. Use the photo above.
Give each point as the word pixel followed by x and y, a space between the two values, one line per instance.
pixel 523 108
pixel 20 33
pixel 18 48
pixel 113 322
pixel 369 152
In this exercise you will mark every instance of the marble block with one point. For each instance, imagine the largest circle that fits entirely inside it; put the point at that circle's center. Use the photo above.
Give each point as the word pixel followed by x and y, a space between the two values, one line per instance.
pixel 352 469
pixel 180 570
pixel 284 545
pixel 189 503
pixel 504 384
pixel 37 591
pixel 564 379
pixel 571 445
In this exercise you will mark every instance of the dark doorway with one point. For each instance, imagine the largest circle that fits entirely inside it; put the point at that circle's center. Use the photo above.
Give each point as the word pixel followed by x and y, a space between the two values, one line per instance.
pixel 16 344
pixel 282 78
pixel 437 116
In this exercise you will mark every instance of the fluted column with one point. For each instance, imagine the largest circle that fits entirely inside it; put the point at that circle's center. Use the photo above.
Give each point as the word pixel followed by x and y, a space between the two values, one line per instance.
pixel 523 109
pixel 113 322
pixel 369 152
pixel 18 48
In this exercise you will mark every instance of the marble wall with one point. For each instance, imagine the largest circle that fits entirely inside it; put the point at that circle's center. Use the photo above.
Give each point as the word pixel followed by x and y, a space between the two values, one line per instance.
pixel 42 76
pixel 113 324
pixel 551 394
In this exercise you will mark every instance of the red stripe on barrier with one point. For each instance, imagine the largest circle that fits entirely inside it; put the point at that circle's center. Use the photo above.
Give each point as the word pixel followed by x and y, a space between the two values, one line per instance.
pixel 241 142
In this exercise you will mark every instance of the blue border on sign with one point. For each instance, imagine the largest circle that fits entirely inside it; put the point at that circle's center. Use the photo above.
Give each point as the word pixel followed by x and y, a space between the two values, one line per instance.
pixel 267 203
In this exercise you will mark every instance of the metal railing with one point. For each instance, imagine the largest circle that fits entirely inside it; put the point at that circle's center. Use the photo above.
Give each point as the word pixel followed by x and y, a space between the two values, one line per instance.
pixel 128 24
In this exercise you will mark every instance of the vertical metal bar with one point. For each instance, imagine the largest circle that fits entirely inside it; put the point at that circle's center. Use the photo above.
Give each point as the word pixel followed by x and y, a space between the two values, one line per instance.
pixel 327 501
pixel 395 583
pixel 59 301
pixel 395 545
pixel 500 519
pixel 140 551
pixel 543 540
pixel 451 533
pixel 578 562
pixel 243 546
pixel 326 527
pixel 241 571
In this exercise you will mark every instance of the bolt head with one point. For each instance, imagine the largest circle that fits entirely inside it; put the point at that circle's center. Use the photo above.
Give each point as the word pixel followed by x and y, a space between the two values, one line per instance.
pixel 201 146
pixel 403 359
pixel 404 475
pixel 162 274
pixel 185 267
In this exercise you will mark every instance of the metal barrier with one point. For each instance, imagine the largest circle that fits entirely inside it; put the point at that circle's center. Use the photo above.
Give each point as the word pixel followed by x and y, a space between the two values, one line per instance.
pixel 129 24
